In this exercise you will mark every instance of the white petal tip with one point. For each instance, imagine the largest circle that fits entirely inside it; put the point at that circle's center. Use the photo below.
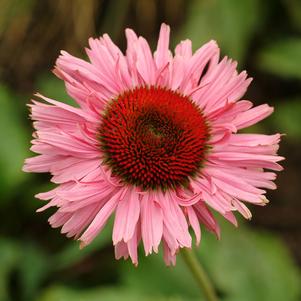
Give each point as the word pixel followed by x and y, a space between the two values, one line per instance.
pixel 82 244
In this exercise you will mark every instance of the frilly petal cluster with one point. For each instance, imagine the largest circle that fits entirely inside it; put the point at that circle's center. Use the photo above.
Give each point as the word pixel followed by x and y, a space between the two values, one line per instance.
pixel 237 169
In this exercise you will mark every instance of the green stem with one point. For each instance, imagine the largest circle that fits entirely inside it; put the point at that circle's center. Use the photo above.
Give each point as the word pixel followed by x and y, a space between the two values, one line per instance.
pixel 199 274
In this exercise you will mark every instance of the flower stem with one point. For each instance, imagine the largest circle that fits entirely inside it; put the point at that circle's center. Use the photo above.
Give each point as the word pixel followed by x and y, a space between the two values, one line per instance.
pixel 199 274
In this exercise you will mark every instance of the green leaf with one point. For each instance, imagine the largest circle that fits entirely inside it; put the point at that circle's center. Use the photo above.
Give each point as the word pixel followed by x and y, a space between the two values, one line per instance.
pixel 286 118
pixel 34 267
pixel 231 22
pixel 14 143
pixel 9 257
pixel 72 254
pixel 27 262
pixel 248 265
pixel 59 293
pixel 152 275
pixel 282 58
pixel 243 265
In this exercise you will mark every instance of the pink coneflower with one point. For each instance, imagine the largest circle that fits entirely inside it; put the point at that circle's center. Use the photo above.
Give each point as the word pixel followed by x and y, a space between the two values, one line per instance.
pixel 154 142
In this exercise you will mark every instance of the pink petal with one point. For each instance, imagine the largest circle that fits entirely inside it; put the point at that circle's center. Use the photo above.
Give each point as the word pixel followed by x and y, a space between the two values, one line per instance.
pixel 252 116
pixel 162 55
pixel 100 220
pixel 151 224
pixel 126 218
pixel 194 222
pixel 206 217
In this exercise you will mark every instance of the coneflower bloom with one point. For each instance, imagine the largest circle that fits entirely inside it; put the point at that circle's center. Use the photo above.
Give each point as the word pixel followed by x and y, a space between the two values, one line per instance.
pixel 154 141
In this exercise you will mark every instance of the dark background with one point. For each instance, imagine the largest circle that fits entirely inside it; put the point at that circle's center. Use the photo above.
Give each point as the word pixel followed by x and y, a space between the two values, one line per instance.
pixel 258 261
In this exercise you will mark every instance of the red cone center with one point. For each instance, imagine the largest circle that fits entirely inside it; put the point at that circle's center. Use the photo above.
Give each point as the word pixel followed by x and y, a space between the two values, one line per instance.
pixel 153 138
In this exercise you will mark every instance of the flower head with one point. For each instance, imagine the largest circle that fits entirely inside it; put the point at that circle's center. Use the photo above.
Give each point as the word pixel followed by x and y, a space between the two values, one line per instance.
pixel 154 141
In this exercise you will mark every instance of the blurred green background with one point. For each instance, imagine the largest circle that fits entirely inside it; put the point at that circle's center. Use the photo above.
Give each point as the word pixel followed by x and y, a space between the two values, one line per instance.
pixel 258 261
